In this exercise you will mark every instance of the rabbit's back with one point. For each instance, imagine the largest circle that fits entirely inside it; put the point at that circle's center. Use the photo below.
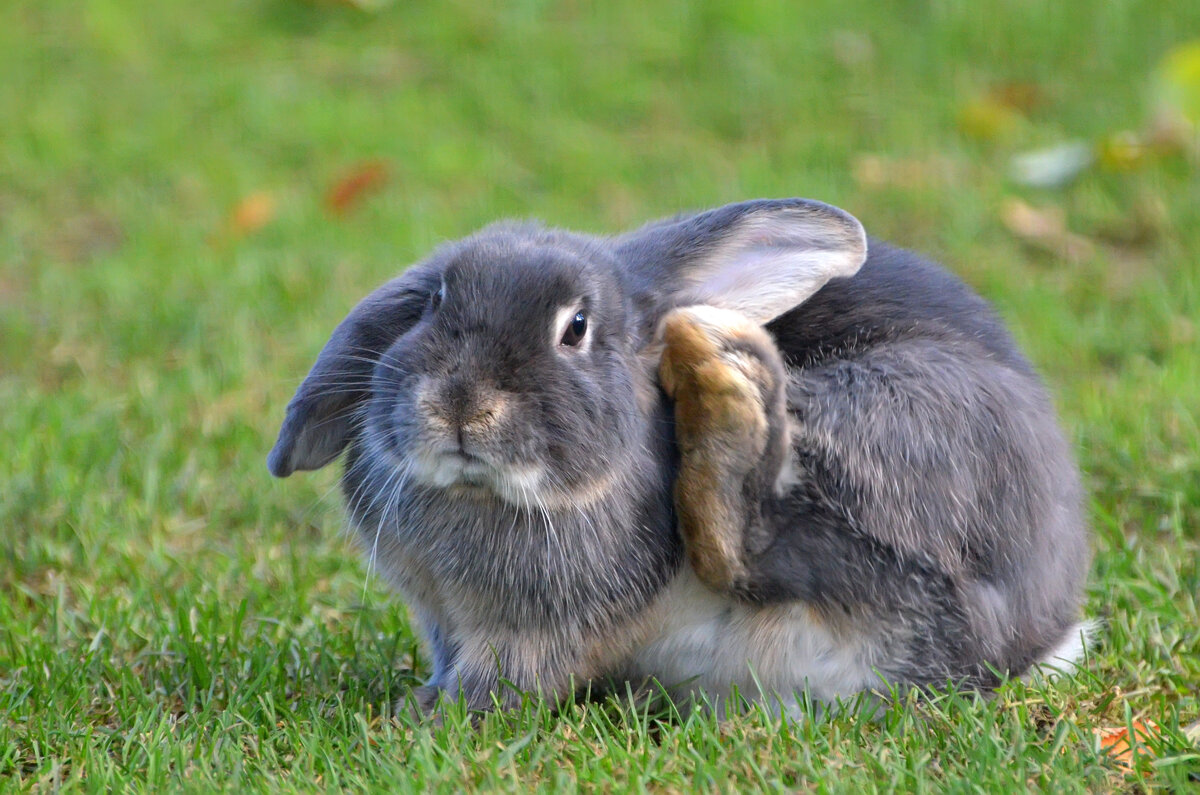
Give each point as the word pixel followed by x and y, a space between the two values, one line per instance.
pixel 895 296
pixel 920 429
pixel 930 524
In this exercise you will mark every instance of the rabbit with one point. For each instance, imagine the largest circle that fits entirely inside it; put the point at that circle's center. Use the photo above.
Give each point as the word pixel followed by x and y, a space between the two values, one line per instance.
pixel 746 451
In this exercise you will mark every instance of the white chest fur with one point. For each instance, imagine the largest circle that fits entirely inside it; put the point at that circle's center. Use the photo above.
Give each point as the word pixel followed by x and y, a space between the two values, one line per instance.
pixel 703 640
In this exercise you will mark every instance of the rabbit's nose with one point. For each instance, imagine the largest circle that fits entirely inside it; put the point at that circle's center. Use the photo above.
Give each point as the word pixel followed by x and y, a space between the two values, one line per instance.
pixel 467 407
pixel 483 415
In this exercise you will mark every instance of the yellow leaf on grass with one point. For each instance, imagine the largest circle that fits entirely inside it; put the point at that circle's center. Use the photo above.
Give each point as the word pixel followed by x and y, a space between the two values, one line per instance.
pixel 988 119
pixel 1123 151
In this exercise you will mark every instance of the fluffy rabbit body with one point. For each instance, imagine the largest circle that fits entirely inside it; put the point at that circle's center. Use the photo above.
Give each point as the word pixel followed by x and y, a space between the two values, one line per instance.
pixel 730 449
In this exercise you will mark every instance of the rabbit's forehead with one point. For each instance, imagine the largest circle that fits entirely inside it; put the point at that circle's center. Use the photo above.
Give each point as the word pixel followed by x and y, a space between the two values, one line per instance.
pixel 529 278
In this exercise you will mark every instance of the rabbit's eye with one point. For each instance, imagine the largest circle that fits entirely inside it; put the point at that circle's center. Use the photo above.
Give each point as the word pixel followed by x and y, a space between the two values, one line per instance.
pixel 575 330
pixel 435 298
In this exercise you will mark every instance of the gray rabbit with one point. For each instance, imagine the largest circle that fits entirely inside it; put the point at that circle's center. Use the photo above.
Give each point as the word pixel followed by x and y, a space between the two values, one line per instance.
pixel 732 449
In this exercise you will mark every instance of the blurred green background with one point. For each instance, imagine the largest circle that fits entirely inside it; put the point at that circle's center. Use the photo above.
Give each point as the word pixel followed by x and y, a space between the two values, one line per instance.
pixel 193 194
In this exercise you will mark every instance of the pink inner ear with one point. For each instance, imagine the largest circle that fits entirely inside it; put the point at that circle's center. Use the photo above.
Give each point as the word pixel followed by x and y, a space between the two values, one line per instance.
pixel 750 265
pixel 763 282
pixel 775 263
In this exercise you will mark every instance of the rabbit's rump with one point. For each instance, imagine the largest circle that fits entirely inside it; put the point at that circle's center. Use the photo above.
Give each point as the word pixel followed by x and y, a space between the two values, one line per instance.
pixel 751 431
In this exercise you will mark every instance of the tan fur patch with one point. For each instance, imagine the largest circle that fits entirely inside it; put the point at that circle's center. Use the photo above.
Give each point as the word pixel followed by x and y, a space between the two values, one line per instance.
pixel 721 427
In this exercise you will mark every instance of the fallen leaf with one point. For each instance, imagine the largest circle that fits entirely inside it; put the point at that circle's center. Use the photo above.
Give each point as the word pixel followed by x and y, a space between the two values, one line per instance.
pixel 1123 151
pixel 986 119
pixel 1019 95
pixel 252 213
pixel 351 189
pixel 1044 228
pixel 1052 167
pixel 1115 741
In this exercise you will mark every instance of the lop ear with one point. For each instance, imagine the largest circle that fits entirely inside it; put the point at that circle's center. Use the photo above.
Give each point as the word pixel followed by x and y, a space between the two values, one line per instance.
pixel 760 258
pixel 320 415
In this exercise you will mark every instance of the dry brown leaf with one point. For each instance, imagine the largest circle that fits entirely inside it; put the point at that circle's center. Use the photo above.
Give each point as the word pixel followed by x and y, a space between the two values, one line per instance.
pixel 347 192
pixel 1019 95
pixel 1044 228
pixel 252 213
pixel 1114 741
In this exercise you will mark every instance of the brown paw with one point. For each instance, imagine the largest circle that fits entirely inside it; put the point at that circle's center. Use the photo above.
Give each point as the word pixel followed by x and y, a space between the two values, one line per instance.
pixel 726 378
pixel 719 367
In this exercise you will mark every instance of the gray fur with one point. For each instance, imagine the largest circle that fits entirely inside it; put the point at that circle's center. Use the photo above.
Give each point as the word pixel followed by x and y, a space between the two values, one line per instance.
pixel 931 516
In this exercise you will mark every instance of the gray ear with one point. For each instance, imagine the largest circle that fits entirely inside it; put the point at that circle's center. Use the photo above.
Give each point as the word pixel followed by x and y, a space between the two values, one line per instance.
pixel 320 415
pixel 760 258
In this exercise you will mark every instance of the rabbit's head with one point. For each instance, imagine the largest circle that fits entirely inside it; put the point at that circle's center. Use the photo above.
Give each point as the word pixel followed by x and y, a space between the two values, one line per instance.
pixel 515 364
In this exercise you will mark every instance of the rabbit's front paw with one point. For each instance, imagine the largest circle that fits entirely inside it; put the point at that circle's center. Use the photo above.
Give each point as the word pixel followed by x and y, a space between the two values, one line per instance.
pixel 727 380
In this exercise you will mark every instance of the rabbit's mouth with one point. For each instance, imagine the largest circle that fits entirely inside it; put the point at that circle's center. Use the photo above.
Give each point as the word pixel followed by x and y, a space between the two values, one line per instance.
pixel 517 484
pixel 443 468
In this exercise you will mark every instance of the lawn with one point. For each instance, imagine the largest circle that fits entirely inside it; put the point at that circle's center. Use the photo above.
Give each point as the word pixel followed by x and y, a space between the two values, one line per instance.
pixel 193 194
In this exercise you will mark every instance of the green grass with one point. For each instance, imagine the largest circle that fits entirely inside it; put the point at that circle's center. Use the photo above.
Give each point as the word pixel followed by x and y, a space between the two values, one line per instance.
pixel 170 617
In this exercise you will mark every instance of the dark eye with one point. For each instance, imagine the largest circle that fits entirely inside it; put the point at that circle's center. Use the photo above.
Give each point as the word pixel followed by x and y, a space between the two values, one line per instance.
pixel 435 299
pixel 575 331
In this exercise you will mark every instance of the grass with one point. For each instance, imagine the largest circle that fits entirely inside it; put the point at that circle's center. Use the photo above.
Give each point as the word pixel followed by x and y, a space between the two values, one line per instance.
pixel 170 618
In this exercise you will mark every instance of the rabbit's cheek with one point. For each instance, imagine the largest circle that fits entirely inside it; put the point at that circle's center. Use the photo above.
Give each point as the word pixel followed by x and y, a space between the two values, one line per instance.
pixel 519 485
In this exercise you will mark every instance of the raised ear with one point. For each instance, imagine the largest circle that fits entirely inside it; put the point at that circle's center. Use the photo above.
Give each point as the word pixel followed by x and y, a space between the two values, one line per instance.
pixel 760 258
pixel 320 415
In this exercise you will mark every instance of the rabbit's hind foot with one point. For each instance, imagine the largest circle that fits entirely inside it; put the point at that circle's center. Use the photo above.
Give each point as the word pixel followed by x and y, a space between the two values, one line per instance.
pixel 727 380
